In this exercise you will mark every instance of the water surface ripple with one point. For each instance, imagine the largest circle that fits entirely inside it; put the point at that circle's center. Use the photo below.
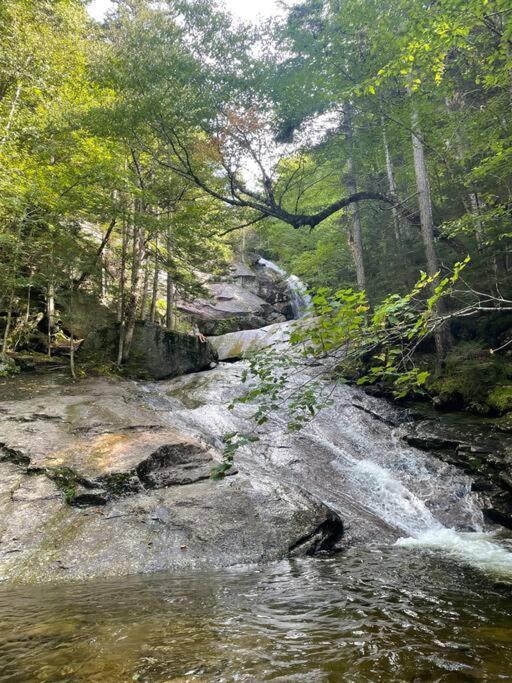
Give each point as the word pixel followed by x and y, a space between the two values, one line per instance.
pixel 368 615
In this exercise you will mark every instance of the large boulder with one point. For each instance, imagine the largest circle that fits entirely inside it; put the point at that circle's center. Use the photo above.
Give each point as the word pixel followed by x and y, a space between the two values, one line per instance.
pixel 155 352
pixel 231 307
pixel 249 297
pixel 84 314
pixel 237 345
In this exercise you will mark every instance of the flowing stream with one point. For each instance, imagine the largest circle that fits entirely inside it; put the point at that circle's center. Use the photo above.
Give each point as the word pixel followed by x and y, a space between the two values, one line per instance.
pixel 299 297
pixel 422 591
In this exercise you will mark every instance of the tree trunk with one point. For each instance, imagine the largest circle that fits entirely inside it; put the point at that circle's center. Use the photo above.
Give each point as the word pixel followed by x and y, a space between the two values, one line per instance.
pixel 427 226
pixel 71 339
pixel 133 298
pixel 7 328
pixel 50 313
pixel 122 287
pixel 354 237
pixel 10 118
pixel 154 293
pixel 170 286
pixel 391 179
pixel 104 283
pixel 29 294
pixel 98 253
pixel 8 322
pixel 145 288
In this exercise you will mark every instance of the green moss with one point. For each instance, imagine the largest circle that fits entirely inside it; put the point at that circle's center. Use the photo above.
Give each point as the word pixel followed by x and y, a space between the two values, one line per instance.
pixel 8 367
pixel 66 480
pixel 119 483
pixel 500 398
pixel 97 366
pixel 474 379
pixel 229 325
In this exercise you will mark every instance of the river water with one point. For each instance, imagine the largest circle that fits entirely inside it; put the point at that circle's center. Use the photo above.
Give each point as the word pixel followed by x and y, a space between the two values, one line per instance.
pixel 373 614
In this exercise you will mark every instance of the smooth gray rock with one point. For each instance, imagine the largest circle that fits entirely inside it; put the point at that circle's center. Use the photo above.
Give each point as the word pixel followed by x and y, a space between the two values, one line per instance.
pixel 93 482
pixel 84 315
pixel 204 524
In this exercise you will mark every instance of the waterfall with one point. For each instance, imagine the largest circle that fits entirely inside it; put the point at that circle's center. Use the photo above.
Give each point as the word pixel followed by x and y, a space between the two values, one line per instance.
pixel 271 266
pixel 299 297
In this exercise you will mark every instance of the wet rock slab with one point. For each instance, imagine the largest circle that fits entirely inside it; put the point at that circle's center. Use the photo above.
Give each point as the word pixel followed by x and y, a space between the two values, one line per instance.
pixel 205 524
pixel 94 483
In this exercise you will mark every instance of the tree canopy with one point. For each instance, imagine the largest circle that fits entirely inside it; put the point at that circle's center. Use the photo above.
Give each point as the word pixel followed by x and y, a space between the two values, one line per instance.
pixel 358 143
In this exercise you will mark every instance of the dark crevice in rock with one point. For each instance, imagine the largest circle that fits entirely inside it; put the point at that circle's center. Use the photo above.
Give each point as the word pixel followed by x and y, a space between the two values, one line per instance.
pixel 48 418
pixel 499 516
pixel 175 465
pixel 431 443
pixel 69 482
pixel 376 416
pixel 12 455
pixel 324 539
pixel 84 497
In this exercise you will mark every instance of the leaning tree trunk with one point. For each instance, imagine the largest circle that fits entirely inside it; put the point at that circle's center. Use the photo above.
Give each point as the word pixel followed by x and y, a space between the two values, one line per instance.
pixel 427 227
pixel 98 254
pixel 355 236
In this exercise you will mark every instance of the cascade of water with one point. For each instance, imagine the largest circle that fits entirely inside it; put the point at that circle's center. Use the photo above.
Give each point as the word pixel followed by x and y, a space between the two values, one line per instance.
pixel 382 491
pixel 299 297
pixel 381 487
pixel 271 266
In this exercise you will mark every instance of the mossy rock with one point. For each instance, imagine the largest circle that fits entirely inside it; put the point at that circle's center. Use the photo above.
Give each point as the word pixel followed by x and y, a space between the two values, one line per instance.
pixel 155 353
pixel 474 379
pixel 500 398
pixel 8 367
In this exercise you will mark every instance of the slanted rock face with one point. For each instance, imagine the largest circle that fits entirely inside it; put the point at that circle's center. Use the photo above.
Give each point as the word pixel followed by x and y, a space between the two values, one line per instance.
pixel 231 307
pixel 236 345
pixel 155 352
pixel 248 298
pixel 93 482
pixel 475 445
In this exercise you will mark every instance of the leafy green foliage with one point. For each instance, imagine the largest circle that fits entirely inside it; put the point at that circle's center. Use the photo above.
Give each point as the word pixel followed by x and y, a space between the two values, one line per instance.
pixel 232 442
